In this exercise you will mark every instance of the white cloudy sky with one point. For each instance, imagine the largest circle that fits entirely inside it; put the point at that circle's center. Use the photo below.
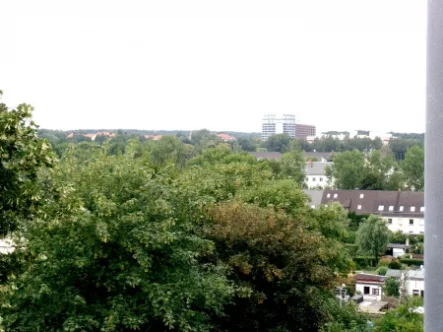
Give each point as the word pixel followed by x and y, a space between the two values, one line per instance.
pixel 216 64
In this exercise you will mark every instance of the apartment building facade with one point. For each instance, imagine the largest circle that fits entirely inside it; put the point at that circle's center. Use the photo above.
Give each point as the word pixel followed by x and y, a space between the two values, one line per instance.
pixel 303 131
pixel 274 124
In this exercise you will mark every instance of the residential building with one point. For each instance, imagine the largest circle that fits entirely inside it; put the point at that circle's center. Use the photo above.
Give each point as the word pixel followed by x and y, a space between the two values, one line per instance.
pixel 266 155
pixel 315 175
pixel 411 281
pixel 274 124
pixel 370 286
pixel 315 197
pixel 153 137
pixel 226 137
pixel 303 131
pixel 402 210
pixel 318 156
pixel 398 249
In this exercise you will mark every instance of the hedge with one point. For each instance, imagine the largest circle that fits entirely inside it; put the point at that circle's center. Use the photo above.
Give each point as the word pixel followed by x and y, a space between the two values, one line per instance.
pixel 411 261
pixel 363 261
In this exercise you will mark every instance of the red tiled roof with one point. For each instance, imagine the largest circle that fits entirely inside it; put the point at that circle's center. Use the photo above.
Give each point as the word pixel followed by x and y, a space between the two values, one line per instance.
pixel 153 137
pixel 226 137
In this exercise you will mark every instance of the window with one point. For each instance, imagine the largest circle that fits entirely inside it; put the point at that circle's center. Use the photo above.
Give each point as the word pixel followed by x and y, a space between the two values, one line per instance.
pixel 381 207
pixel 416 292
pixel 422 209
pixel 362 196
pixel 366 290
pixel 320 179
pixel 411 221
pixel 375 291
pixel 412 208
pixel 401 208
pixel 391 208
pixel 328 195
pixel 359 207
pixel 389 221
pixel 335 195
pixel 307 179
pixel 313 179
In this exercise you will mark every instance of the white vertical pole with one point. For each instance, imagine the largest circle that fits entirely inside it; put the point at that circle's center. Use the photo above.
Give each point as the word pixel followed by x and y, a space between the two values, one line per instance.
pixel 434 170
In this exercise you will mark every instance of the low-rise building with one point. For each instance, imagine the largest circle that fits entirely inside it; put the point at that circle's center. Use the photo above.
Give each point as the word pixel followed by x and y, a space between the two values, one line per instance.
pixel 402 210
pixel 315 175
pixel 370 286
pixel 412 282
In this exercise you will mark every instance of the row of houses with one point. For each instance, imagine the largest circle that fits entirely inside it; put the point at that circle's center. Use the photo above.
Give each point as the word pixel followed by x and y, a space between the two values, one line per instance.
pixel 370 286
pixel 402 210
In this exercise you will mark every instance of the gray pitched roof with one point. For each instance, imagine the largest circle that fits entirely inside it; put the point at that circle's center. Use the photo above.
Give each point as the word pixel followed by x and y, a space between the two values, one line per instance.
pixel 266 155
pixel 315 196
pixel 316 168
pixel 393 273
pixel 318 155
pixel 378 202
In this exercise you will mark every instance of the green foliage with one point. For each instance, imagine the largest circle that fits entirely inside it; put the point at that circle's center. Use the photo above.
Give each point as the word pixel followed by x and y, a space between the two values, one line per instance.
pixel 394 264
pixel 413 167
pixel 277 143
pixel 282 272
pixel 22 155
pixel 353 169
pixel 347 170
pixel 402 319
pixel 292 166
pixel 373 236
pixel 352 249
pixel 110 251
pixel 392 287
pixel 410 261
pixel 381 271
pixel 363 262
pixel 398 237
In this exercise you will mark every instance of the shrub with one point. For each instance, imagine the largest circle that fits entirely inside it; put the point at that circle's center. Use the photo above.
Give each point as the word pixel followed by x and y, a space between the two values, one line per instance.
pixel 384 261
pixel 381 271
pixel 395 264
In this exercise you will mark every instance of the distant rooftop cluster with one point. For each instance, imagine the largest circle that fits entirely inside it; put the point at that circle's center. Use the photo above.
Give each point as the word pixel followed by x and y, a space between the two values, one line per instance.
pixel 93 136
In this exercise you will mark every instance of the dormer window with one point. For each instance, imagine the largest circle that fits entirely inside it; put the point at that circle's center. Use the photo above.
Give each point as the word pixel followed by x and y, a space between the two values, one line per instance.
pixel 359 207
pixel 381 207
pixel 412 208
pixel 391 208
pixel 362 196
pixel 422 209
pixel 328 195
pixel 401 208
pixel 335 195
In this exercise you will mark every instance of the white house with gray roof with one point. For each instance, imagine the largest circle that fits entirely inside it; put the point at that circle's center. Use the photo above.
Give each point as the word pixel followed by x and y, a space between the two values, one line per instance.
pixel 315 175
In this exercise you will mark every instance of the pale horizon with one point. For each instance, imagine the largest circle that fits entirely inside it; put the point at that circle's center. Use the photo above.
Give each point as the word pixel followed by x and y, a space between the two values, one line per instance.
pixel 340 66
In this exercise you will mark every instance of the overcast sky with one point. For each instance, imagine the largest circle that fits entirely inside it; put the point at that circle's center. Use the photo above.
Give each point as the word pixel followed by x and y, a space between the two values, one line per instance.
pixel 221 65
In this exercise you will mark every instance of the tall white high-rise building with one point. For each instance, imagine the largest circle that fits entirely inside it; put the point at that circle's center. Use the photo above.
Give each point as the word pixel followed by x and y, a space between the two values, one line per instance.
pixel 274 124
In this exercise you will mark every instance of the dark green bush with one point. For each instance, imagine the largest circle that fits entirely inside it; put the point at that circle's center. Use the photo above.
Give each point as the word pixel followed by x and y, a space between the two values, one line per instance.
pixel 409 261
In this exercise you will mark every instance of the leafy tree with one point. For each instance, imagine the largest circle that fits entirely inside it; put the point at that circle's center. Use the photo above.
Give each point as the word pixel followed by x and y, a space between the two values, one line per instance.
pixel 392 287
pixel 347 170
pixel 382 270
pixel 373 236
pixel 413 167
pixel 292 165
pixel 112 251
pixel 22 155
pixel 170 149
pixel 281 270
pixel 380 173
pixel 277 143
pixel 247 144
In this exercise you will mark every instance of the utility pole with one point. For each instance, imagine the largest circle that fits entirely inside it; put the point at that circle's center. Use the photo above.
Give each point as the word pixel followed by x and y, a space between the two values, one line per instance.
pixel 434 170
